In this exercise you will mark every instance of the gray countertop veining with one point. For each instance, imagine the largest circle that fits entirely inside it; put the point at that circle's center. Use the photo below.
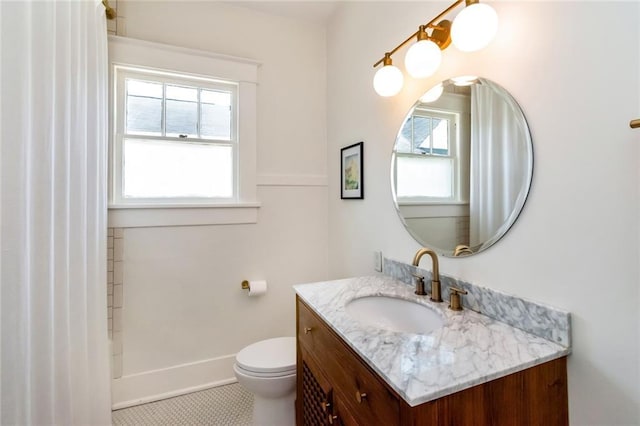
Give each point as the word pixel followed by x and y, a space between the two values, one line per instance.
pixel 468 350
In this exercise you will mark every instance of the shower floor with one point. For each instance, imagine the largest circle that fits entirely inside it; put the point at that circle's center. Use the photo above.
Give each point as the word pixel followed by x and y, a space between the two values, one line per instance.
pixel 228 405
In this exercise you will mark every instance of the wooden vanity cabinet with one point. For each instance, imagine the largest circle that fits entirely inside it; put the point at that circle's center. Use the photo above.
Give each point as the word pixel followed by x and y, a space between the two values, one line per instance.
pixel 335 387
pixel 351 393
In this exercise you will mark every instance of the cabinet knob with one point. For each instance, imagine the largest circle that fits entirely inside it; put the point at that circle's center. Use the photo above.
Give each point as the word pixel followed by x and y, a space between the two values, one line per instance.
pixel 325 406
pixel 332 418
pixel 307 330
pixel 360 396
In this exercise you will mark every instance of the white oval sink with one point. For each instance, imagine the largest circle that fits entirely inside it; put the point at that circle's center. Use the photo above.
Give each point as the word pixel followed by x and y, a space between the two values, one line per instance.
pixel 392 313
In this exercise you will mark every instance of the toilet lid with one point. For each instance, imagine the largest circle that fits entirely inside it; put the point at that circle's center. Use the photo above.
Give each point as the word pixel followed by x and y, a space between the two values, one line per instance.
pixel 269 356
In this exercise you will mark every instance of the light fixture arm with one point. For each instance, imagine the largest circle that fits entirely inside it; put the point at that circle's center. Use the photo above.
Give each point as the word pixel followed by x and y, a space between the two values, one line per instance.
pixel 430 24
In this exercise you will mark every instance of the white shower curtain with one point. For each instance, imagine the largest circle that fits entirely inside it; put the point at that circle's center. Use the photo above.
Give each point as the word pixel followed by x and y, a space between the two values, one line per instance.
pixel 54 353
pixel 498 156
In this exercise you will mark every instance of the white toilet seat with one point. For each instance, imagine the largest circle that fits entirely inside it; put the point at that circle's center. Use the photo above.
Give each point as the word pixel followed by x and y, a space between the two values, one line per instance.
pixel 268 358
pixel 281 374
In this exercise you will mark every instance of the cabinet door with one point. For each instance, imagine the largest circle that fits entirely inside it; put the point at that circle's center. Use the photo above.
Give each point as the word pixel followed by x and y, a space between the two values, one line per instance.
pixel 366 396
pixel 315 394
pixel 342 414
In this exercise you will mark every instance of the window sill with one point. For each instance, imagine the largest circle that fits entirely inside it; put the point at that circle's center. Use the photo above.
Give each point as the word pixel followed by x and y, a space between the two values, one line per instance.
pixel 433 203
pixel 150 215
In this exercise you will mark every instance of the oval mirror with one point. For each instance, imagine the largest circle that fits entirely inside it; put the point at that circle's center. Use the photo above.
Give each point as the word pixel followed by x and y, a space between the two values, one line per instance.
pixel 461 166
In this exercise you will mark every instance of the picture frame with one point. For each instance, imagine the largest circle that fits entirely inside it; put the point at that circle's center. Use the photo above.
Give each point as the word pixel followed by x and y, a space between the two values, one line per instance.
pixel 352 172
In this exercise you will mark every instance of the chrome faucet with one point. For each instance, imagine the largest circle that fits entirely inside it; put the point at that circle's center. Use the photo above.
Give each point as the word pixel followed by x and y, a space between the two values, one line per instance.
pixel 435 279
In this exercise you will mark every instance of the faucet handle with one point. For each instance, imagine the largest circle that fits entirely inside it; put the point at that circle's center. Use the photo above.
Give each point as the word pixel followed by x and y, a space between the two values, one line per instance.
pixel 420 291
pixel 454 298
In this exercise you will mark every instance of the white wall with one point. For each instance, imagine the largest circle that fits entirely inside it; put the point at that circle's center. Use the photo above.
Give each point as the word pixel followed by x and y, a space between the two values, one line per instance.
pixel 184 314
pixel 574 69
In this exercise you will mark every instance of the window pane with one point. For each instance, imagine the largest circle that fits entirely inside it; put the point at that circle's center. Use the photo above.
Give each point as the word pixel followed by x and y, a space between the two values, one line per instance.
pixel 440 134
pixel 422 135
pixel 215 114
pixel 144 108
pixel 144 88
pixel 215 97
pixel 182 93
pixel 182 118
pixel 215 122
pixel 177 169
pixel 424 177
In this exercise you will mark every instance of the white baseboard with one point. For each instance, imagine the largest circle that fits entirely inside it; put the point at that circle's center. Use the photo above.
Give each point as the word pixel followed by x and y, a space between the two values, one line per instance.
pixel 165 383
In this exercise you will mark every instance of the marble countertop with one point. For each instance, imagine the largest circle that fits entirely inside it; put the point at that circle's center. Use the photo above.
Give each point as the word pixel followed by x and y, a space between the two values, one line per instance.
pixel 468 350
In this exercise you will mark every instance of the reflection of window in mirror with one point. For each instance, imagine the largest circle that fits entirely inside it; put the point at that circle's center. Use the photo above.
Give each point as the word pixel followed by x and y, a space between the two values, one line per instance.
pixel 461 167
pixel 432 155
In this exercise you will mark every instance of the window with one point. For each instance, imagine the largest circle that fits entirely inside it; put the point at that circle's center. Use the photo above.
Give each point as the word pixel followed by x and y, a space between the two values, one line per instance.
pixel 176 138
pixel 426 162
pixel 183 136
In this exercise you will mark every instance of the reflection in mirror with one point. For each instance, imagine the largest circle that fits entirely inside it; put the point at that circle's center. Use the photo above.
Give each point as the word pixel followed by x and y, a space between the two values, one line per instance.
pixel 461 166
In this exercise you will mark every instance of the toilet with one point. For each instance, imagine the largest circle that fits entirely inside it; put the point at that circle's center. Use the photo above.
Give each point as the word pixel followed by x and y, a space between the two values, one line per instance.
pixel 267 369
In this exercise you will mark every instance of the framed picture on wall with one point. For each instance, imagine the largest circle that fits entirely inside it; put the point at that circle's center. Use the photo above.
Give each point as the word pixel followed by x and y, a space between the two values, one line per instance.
pixel 352 172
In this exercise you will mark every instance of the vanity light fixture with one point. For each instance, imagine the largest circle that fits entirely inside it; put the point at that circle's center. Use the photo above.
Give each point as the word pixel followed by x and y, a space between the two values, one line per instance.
pixel 472 29
pixel 388 80
pixel 424 56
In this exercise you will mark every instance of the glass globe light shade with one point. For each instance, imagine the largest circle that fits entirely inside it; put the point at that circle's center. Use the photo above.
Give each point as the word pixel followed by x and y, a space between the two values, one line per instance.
pixel 464 80
pixel 474 27
pixel 423 59
pixel 388 81
pixel 432 94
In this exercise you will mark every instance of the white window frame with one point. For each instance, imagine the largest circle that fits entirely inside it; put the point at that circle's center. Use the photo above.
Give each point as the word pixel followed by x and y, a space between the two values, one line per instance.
pixel 454 124
pixel 121 74
pixel 137 54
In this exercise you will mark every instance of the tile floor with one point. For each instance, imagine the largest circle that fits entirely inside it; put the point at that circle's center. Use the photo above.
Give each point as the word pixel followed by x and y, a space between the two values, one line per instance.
pixel 228 405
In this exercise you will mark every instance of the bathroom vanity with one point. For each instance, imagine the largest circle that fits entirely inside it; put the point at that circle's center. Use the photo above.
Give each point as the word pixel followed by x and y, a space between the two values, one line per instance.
pixel 472 370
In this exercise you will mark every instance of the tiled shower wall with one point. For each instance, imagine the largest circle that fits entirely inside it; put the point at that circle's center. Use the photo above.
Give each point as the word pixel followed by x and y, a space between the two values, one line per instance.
pixel 116 26
pixel 115 256
pixel 115 249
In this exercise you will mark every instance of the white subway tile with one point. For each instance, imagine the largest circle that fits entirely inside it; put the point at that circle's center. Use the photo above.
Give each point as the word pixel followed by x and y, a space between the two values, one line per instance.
pixel 117 366
pixel 117 319
pixel 117 296
pixel 118 273
pixel 116 342
pixel 111 26
pixel 118 249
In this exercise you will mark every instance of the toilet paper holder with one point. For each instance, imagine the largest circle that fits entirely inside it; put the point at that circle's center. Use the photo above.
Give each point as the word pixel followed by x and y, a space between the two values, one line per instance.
pixel 254 288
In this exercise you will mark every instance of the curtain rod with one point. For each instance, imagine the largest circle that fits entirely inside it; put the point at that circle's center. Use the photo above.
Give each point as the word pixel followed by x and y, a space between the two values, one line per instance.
pixel 111 13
